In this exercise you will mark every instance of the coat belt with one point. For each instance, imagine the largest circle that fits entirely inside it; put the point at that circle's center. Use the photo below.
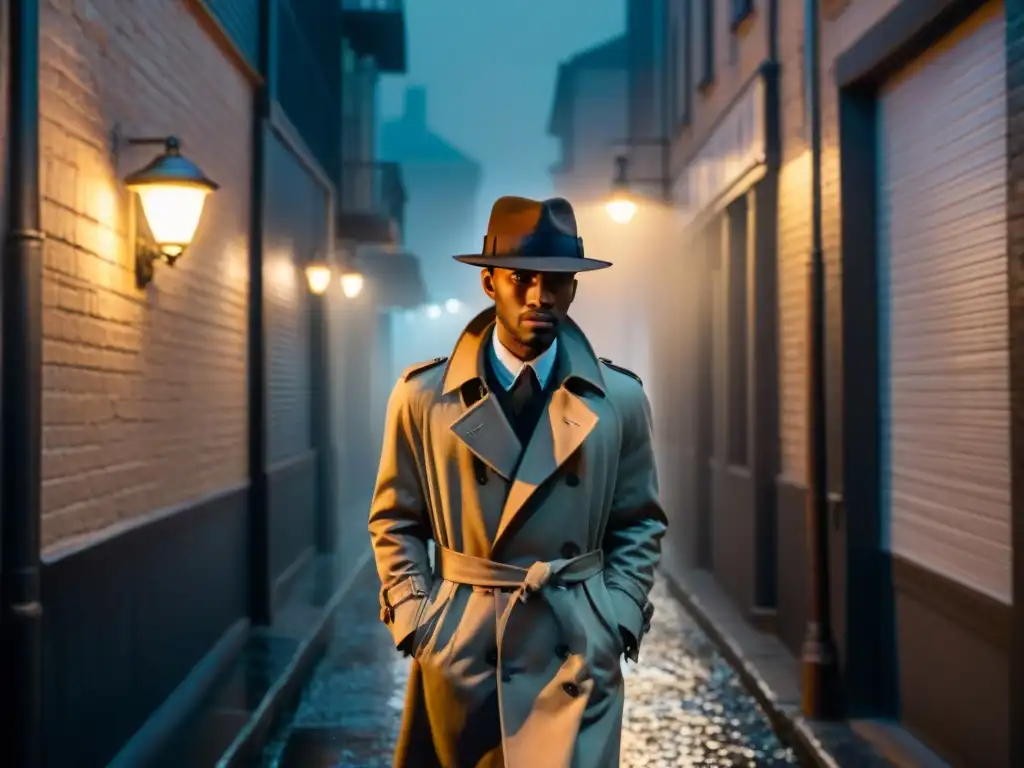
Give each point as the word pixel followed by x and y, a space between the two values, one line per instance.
pixel 478 572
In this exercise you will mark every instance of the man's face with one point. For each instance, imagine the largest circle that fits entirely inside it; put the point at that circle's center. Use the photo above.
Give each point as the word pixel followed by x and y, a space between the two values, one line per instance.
pixel 530 306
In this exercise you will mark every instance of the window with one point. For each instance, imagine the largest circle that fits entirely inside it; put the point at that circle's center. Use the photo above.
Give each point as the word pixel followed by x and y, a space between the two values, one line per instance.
pixel 740 10
pixel 703 28
pixel 738 385
pixel 680 64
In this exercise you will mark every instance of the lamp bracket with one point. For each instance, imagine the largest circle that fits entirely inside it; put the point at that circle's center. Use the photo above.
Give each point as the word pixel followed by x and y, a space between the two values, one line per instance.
pixel 118 140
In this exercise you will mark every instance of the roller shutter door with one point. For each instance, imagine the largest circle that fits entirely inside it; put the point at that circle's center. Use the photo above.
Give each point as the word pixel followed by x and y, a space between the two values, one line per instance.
pixel 942 238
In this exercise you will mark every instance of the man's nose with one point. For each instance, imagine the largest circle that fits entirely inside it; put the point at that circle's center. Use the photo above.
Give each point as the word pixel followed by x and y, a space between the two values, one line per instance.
pixel 541 293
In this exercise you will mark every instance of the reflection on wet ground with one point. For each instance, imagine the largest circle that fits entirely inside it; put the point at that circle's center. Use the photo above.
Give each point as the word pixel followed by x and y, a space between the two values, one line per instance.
pixel 685 705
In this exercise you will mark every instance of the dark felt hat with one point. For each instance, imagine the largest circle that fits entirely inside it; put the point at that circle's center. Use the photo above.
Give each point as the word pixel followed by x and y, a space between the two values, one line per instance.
pixel 533 235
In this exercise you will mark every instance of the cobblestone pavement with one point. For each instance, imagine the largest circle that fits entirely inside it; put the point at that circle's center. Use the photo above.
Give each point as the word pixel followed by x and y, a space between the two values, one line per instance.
pixel 685 705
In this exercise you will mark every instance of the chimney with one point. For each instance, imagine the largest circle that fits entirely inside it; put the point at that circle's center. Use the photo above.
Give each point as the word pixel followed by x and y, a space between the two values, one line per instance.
pixel 416 105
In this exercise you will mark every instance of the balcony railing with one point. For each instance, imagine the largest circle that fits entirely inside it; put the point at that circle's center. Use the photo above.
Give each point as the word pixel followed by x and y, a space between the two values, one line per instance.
pixel 377 28
pixel 371 202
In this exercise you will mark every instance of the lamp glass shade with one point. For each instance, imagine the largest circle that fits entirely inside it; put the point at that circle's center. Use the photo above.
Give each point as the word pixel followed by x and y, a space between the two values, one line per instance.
pixel 621 209
pixel 319 277
pixel 351 284
pixel 172 212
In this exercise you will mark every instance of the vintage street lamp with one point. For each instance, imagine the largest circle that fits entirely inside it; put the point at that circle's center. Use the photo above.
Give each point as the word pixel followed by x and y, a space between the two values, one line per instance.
pixel 172 191
pixel 318 276
pixel 620 206
pixel 351 283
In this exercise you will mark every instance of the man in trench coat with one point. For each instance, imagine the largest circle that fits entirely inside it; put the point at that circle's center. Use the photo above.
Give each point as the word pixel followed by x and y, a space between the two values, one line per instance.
pixel 529 462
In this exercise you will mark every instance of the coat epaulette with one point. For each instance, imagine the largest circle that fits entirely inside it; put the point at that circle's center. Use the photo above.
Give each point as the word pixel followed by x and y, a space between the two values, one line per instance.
pixel 620 369
pixel 413 370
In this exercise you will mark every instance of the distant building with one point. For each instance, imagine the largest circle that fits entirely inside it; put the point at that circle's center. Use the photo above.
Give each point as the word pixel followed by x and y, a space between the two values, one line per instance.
pixel 443 184
pixel 589 118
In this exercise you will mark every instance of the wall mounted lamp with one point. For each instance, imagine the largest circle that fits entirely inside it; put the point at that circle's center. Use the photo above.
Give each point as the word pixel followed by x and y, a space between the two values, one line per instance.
pixel 351 283
pixel 172 192
pixel 621 206
pixel 319 274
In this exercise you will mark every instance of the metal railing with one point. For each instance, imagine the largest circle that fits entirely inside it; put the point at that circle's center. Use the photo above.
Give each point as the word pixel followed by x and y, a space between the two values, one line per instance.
pixel 373 188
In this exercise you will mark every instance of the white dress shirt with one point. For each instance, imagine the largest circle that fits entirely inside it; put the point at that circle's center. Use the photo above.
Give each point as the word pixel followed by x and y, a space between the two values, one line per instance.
pixel 508 367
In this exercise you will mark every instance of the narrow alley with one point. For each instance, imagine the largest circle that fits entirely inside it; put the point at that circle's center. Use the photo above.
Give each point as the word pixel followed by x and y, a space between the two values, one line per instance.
pixel 685 705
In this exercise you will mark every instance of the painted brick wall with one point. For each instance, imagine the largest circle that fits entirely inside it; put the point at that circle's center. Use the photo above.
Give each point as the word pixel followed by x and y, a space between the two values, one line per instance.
pixel 843 22
pixel 794 231
pixel 144 395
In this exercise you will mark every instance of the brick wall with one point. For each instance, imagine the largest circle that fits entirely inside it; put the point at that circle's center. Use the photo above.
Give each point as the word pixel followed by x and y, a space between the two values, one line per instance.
pixel 842 24
pixel 144 393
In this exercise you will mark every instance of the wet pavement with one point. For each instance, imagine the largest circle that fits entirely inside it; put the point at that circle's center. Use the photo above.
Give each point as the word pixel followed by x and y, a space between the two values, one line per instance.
pixel 685 705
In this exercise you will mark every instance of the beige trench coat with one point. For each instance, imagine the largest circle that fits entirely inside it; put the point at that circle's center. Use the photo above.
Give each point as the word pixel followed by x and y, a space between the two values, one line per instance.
pixel 545 557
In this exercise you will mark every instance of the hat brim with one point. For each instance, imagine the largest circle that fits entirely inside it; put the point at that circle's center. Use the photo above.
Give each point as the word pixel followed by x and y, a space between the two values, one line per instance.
pixel 535 263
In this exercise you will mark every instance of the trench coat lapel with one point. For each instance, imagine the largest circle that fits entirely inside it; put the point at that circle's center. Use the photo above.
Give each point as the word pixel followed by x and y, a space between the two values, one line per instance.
pixel 561 430
pixel 485 431
pixel 482 427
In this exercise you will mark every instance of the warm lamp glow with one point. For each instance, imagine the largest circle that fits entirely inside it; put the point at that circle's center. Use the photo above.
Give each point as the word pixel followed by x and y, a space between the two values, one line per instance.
pixel 351 284
pixel 621 209
pixel 172 212
pixel 319 277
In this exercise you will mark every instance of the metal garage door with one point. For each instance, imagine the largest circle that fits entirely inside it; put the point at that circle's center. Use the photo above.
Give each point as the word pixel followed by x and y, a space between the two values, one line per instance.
pixel 942 233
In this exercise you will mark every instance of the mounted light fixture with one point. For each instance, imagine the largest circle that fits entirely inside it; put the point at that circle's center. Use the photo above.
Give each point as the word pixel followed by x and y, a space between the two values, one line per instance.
pixel 318 275
pixel 620 206
pixel 172 191
pixel 351 283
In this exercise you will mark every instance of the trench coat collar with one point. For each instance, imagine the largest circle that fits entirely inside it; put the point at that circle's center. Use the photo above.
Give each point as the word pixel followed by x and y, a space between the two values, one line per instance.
pixel 576 357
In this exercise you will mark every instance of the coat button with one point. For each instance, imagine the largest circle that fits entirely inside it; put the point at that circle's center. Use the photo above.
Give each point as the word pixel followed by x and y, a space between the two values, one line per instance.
pixel 562 652
pixel 570 550
pixel 492 658
pixel 572 480
pixel 571 689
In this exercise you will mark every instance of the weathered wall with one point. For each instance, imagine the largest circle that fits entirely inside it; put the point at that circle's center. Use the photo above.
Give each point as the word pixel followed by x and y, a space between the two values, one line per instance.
pixel 144 393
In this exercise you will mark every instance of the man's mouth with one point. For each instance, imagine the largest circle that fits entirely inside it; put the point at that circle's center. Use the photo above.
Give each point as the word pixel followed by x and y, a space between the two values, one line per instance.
pixel 539 321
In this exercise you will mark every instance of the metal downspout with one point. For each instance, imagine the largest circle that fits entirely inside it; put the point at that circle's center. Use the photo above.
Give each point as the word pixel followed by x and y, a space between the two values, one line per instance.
pixel 21 361
pixel 819 663
pixel 260 577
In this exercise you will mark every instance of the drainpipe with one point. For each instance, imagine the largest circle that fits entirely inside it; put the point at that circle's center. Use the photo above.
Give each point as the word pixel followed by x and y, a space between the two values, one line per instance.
pixel 260 588
pixel 818 657
pixel 21 621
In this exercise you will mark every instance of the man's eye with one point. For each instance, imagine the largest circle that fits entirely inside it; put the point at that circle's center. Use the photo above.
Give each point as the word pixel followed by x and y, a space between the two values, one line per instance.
pixel 517 277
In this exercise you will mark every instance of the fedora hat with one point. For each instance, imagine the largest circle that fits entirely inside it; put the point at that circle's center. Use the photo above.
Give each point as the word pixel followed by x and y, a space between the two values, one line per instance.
pixel 533 235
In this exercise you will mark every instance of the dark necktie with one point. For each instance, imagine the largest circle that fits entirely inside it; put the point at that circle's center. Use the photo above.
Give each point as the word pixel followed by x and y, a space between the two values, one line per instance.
pixel 523 401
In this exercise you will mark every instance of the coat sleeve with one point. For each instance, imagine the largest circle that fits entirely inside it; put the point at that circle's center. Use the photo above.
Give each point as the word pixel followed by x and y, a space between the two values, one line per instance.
pixel 637 523
pixel 398 524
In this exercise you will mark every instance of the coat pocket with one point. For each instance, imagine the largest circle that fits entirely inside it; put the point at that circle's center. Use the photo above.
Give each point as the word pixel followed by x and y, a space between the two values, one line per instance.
pixel 430 614
pixel 604 611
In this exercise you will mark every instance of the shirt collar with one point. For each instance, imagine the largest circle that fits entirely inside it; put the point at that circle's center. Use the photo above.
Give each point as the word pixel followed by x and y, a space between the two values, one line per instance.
pixel 509 366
